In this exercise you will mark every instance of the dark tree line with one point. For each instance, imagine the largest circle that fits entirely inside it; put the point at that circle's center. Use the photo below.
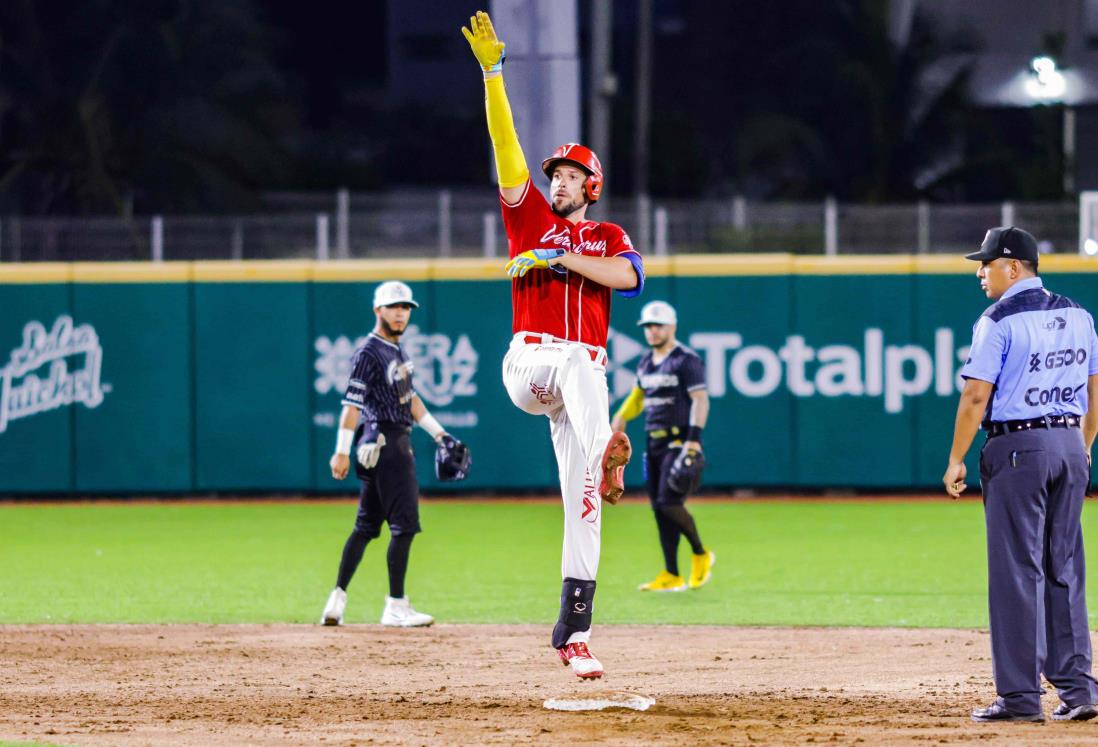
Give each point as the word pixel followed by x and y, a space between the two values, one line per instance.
pixel 807 99
pixel 105 103
pixel 108 106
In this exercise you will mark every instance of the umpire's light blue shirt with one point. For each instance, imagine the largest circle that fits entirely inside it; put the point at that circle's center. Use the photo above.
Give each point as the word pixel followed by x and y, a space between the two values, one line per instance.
pixel 1038 349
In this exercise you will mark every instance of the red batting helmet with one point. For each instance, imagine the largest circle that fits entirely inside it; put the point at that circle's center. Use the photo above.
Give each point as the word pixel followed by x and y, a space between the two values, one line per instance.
pixel 584 158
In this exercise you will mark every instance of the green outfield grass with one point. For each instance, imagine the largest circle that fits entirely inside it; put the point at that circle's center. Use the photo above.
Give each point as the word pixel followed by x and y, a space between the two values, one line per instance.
pixel 778 563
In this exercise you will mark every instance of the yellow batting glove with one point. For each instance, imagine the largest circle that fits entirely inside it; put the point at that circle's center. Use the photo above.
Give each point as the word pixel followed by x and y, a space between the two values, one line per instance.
pixel 482 38
pixel 534 259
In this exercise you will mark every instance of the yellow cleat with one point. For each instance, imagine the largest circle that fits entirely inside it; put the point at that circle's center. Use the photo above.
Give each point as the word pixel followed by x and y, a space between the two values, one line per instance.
pixel 664 582
pixel 701 568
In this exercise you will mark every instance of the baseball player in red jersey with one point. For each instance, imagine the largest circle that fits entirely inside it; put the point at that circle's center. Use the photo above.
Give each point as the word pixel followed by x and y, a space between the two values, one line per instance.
pixel 563 269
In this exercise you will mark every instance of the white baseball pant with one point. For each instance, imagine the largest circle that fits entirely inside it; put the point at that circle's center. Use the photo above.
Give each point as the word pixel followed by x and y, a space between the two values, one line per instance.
pixel 566 381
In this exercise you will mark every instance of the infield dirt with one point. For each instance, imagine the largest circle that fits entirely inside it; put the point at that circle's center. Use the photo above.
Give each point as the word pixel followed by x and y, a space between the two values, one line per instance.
pixel 480 684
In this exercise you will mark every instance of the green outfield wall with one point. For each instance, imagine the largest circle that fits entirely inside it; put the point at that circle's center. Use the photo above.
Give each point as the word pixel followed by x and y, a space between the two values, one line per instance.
pixel 227 376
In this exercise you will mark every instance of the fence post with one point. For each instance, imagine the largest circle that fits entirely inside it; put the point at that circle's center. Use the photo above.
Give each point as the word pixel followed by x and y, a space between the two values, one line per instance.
pixel 1006 217
pixel 1088 235
pixel 488 224
pixel 739 213
pixel 238 239
pixel 16 238
pixel 644 223
pixel 831 227
pixel 1068 140
pixel 157 239
pixel 924 226
pixel 660 248
pixel 343 224
pixel 322 252
pixel 444 237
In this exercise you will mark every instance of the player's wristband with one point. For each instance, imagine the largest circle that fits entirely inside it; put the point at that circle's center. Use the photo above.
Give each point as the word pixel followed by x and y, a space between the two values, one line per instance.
pixel 498 67
pixel 432 426
pixel 694 433
pixel 343 441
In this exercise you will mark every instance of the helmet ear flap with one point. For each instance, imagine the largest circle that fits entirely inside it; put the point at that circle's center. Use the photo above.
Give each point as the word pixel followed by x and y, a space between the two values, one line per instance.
pixel 592 187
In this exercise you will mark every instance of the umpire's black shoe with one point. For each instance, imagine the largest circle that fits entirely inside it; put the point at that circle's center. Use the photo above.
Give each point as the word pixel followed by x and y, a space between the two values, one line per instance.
pixel 997 711
pixel 1064 712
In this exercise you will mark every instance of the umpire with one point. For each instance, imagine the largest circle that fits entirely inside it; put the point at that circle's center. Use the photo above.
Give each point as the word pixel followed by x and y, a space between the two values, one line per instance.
pixel 379 408
pixel 670 390
pixel 1032 369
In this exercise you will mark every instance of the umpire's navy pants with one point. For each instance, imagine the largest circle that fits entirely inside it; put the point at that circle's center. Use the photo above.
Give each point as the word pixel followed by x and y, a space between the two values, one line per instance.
pixel 1034 483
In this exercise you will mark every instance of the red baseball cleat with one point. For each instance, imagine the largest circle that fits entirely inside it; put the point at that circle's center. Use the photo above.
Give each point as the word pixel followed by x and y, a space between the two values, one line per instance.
pixel 617 454
pixel 586 666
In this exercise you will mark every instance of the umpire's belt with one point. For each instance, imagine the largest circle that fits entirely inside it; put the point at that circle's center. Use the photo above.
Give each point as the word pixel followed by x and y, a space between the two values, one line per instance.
pixel 1013 426
pixel 598 355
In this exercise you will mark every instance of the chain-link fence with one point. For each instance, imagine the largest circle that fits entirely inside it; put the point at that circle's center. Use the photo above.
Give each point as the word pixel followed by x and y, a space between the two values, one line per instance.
pixel 72 239
pixel 466 223
pixel 273 236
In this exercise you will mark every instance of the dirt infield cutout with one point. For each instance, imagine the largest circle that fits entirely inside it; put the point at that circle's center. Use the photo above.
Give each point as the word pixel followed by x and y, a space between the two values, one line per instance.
pixel 487 684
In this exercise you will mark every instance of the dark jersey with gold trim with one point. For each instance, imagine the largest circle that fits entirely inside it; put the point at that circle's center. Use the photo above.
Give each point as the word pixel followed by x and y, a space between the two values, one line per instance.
pixel 381 382
pixel 667 387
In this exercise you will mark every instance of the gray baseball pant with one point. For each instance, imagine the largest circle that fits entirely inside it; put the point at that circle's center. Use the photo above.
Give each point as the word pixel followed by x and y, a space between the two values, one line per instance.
pixel 1034 483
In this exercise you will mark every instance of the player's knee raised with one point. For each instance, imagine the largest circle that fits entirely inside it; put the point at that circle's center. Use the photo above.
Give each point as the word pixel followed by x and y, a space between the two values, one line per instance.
pixel 575 355
pixel 531 397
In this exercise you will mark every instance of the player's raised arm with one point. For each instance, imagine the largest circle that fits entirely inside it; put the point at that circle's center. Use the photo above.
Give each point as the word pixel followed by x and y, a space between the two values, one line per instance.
pixel 511 166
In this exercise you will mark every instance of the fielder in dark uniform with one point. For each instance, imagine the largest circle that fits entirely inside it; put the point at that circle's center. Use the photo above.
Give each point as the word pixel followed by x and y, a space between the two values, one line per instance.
pixel 671 391
pixel 1032 370
pixel 379 408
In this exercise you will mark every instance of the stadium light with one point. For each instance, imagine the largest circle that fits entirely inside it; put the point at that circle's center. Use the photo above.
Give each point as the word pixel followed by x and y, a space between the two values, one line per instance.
pixel 1045 82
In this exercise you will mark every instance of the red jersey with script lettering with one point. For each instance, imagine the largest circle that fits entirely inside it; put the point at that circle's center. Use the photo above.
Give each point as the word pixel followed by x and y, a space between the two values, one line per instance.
pixel 568 306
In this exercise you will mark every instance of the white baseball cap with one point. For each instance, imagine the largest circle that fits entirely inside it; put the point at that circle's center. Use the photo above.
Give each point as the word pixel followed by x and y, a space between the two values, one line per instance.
pixel 393 292
pixel 658 312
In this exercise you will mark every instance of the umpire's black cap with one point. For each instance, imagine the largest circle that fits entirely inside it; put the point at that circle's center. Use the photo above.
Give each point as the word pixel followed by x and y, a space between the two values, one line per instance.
pixel 1009 242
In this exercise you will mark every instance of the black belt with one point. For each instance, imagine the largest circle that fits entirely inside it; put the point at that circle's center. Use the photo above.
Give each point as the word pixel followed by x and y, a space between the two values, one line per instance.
pixel 1013 426
pixel 659 434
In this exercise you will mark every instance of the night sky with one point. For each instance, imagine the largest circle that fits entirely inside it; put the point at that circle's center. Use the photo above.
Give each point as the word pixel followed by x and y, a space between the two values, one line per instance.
pixel 331 50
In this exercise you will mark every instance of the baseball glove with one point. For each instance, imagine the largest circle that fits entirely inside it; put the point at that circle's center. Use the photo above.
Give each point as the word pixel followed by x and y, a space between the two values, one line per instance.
pixel 686 471
pixel 452 459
